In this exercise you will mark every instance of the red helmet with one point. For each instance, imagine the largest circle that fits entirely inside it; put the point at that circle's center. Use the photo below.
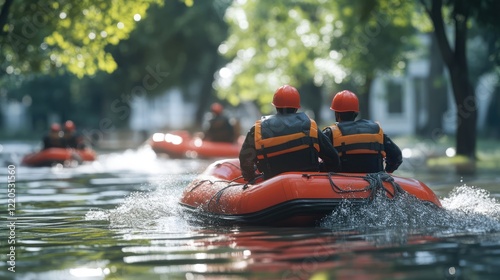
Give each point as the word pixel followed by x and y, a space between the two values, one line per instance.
pixel 69 126
pixel 55 127
pixel 216 108
pixel 345 101
pixel 286 97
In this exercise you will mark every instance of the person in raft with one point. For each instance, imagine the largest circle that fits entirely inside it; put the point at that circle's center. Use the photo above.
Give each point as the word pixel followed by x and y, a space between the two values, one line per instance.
pixel 361 144
pixel 220 128
pixel 53 139
pixel 72 138
pixel 286 141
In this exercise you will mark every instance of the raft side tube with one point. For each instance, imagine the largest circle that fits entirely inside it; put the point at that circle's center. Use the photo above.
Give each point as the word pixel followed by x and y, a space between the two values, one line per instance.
pixel 51 156
pixel 300 212
pixel 291 198
pixel 229 169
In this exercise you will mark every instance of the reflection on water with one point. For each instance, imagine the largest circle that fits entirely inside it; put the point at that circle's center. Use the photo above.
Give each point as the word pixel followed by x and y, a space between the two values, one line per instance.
pixel 118 218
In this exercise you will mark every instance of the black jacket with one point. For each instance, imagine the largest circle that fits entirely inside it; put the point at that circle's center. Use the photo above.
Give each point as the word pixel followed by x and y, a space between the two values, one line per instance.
pixel 220 130
pixel 52 141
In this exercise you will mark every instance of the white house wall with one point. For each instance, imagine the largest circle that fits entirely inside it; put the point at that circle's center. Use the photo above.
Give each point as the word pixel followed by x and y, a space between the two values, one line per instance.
pixel 14 116
pixel 165 112
pixel 393 123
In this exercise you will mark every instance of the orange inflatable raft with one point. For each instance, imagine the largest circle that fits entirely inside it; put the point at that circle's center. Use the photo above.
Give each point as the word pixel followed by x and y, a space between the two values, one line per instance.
pixel 220 195
pixel 52 156
pixel 180 144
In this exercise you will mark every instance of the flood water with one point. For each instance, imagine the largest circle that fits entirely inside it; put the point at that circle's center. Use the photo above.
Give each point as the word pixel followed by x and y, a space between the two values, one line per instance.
pixel 118 218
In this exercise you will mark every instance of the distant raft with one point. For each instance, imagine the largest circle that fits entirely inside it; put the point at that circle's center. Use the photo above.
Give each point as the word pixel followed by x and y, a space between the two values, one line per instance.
pixel 53 156
pixel 220 195
pixel 180 144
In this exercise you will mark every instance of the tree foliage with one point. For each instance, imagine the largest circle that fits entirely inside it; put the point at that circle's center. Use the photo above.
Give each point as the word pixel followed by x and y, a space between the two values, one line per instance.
pixel 461 14
pixel 174 46
pixel 175 39
pixel 374 37
pixel 58 35
pixel 271 44
pixel 298 42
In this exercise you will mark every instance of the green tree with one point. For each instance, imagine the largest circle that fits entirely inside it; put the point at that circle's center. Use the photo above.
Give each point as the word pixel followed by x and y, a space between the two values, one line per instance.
pixel 175 47
pixel 460 14
pixel 173 39
pixel 276 43
pixel 372 37
pixel 57 35
pixel 272 43
pixel 310 44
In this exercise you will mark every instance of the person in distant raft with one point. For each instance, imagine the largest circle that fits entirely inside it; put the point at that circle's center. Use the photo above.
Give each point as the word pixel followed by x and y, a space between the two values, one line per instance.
pixel 53 139
pixel 71 138
pixel 286 141
pixel 361 144
pixel 220 128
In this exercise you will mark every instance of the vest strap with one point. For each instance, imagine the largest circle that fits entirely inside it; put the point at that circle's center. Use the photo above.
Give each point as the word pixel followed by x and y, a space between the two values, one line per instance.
pixel 372 146
pixel 309 141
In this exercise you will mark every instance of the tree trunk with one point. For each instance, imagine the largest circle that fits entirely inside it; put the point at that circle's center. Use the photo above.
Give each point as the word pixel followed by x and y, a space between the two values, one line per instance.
pixel 364 98
pixel 435 91
pixel 312 98
pixel 206 92
pixel 4 15
pixel 493 115
pixel 466 113
pixel 456 63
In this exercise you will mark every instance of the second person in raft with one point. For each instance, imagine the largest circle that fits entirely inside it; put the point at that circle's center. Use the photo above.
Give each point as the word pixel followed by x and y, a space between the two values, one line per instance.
pixel 53 139
pixel 219 128
pixel 286 141
pixel 361 144
pixel 72 138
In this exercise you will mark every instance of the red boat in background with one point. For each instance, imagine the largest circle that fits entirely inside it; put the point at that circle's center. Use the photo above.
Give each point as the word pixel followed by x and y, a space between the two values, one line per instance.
pixel 53 156
pixel 181 144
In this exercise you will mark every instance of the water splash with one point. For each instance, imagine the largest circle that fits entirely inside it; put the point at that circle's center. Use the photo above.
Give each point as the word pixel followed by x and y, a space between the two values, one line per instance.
pixel 97 215
pixel 472 200
pixel 466 210
pixel 403 211
pixel 144 210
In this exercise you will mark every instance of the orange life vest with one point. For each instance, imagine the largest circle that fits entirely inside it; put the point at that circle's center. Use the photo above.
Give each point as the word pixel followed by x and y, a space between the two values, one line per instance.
pixel 299 133
pixel 358 137
pixel 286 142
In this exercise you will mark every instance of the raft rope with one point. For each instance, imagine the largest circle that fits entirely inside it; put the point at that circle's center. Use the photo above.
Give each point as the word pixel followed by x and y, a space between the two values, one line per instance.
pixel 375 182
pixel 217 196
pixel 219 193
pixel 251 182
pixel 199 183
